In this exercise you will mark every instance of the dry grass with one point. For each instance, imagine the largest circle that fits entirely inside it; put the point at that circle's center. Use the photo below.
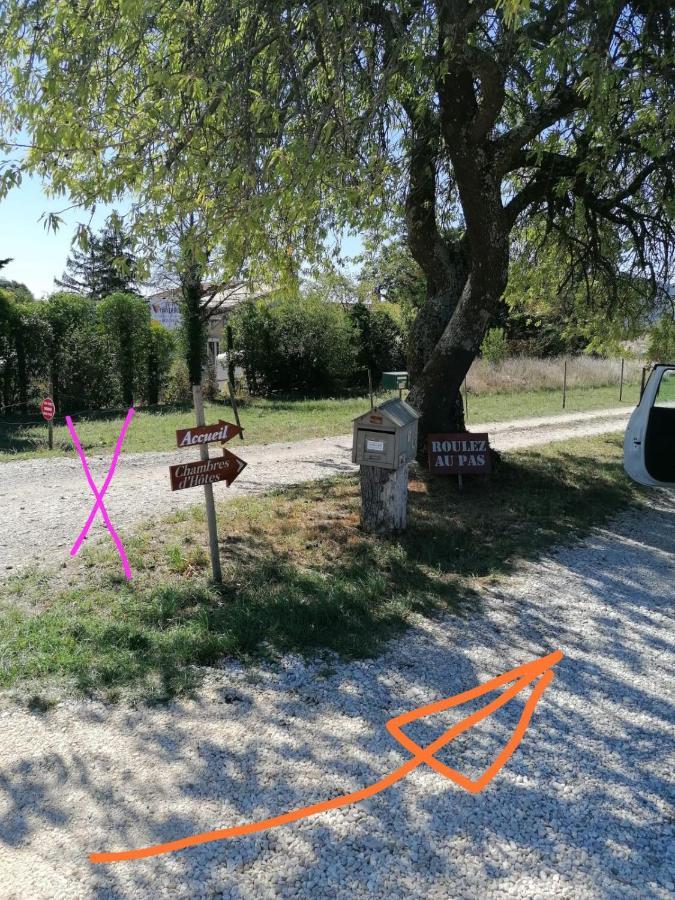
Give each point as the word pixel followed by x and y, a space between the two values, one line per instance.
pixel 524 373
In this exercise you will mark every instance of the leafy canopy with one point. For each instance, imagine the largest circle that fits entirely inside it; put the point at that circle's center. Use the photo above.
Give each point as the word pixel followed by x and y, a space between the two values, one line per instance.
pixel 281 122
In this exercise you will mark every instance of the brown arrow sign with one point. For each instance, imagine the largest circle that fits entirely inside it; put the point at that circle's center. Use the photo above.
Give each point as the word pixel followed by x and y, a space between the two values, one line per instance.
pixel 205 434
pixel 206 471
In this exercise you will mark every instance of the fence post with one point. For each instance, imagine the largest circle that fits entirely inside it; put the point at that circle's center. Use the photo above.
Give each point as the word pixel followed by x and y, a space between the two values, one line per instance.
pixel 621 383
pixel 564 384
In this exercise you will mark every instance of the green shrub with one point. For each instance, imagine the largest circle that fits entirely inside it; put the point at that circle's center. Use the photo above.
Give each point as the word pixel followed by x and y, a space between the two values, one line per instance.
pixel 380 342
pixel 662 341
pixel 178 388
pixel 124 323
pixel 494 348
pixel 160 349
pixel 301 345
pixel 79 360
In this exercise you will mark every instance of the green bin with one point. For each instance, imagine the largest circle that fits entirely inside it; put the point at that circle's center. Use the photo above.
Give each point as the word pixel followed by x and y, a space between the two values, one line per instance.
pixel 395 381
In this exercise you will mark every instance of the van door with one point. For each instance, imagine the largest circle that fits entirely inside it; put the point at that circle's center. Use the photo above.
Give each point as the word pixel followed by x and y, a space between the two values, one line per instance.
pixel 649 444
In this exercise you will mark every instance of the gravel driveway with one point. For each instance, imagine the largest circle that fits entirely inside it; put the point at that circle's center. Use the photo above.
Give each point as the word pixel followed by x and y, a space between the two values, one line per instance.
pixel 581 810
pixel 45 502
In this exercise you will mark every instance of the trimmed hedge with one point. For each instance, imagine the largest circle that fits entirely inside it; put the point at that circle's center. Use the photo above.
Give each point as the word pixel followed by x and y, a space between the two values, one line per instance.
pixel 310 347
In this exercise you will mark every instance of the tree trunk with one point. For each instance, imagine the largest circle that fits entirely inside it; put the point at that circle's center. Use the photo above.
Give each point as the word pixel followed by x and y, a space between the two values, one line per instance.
pixel 437 392
pixel 194 328
pixel 384 499
pixel 445 286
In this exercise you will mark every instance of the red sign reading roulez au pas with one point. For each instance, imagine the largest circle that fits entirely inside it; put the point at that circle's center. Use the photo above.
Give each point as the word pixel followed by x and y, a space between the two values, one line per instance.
pixel 461 453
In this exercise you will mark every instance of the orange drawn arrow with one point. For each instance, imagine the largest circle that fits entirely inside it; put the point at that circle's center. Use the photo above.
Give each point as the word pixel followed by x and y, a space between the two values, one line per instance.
pixel 537 671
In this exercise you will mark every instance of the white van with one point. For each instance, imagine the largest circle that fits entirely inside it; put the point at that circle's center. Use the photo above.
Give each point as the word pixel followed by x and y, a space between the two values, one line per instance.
pixel 649 444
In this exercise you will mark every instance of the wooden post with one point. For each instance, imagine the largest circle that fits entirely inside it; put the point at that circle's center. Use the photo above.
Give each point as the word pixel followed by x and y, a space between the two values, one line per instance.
pixel 370 389
pixel 208 490
pixel 384 499
pixel 621 383
pixel 564 384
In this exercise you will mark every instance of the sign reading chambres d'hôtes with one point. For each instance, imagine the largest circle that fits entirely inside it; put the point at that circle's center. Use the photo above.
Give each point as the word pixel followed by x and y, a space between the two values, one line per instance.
pixel 206 471
pixel 462 453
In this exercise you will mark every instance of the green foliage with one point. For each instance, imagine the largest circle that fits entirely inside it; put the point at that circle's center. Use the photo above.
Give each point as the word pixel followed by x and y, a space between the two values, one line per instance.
pixel 16 291
pixel 389 272
pixel 298 345
pixel 178 388
pixel 89 354
pixel 284 123
pixel 160 349
pixel 380 341
pixel 662 341
pixel 79 359
pixel 106 266
pixel 495 347
pixel 125 325
pixel 549 310
pixel 210 383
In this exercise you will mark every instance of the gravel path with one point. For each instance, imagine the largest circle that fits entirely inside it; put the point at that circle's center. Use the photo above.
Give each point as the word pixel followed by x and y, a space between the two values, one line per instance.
pixel 44 503
pixel 580 811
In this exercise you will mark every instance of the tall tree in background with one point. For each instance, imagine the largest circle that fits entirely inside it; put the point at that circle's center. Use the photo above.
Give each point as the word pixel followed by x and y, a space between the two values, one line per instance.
pixel 461 117
pixel 107 265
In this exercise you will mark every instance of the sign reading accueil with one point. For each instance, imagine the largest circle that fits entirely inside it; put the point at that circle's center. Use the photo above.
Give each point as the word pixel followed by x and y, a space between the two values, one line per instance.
pixel 205 434
pixel 462 453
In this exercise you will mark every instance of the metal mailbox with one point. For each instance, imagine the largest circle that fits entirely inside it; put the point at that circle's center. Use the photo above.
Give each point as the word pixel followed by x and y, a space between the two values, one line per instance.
pixel 386 437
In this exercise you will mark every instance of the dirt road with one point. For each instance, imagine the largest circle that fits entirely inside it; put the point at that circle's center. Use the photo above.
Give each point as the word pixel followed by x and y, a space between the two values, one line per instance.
pixel 45 502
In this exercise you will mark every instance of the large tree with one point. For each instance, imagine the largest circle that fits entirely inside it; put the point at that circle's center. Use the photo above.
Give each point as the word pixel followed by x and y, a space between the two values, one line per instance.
pixel 106 266
pixel 460 116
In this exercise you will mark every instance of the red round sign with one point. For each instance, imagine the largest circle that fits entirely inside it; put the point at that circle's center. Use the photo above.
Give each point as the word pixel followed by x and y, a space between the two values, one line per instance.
pixel 47 408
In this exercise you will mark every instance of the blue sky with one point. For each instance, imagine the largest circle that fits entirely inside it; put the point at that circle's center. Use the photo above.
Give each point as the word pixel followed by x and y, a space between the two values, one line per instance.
pixel 39 256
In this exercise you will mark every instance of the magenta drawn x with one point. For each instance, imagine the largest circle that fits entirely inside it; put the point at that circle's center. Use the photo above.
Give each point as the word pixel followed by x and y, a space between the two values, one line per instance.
pixel 100 494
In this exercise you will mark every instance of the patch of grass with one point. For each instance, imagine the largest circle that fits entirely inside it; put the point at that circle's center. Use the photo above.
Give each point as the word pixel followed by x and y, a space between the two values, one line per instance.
pixel 299 574
pixel 267 421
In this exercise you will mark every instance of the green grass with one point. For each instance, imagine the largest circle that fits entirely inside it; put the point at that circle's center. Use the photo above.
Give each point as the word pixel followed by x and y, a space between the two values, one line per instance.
pixel 299 575
pixel 266 421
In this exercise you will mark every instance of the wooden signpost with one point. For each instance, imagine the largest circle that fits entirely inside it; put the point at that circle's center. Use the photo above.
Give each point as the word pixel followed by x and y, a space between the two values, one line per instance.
pixel 206 471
